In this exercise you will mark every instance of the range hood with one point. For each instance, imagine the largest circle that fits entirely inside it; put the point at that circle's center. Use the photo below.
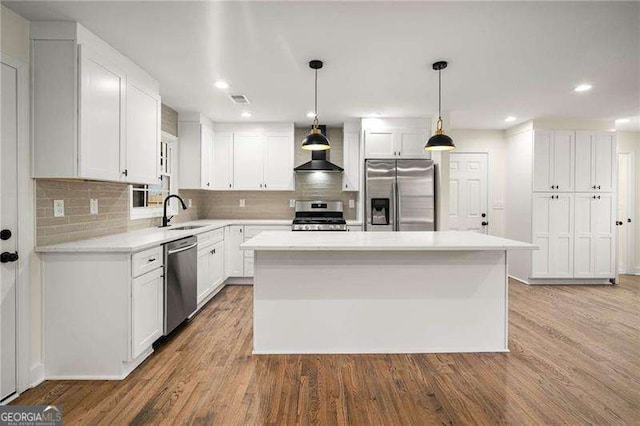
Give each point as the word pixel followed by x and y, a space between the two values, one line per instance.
pixel 319 162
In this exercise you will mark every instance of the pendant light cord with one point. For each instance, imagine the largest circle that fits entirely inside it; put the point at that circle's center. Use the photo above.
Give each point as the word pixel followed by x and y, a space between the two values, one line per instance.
pixel 315 108
pixel 440 94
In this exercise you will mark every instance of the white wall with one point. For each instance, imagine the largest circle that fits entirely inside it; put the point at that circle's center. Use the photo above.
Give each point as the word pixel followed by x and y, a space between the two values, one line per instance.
pixel 494 144
pixel 14 35
pixel 630 142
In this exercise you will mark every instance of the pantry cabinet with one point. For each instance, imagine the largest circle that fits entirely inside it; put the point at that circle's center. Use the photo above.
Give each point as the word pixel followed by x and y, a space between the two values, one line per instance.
pixel 554 160
pixel 396 143
pixel 96 115
pixel 553 234
pixel 595 160
pixel 594 230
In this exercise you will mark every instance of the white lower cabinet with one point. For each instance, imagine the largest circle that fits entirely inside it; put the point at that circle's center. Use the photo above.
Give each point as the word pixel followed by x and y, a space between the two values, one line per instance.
pixel 553 233
pixel 147 311
pixel 233 256
pixel 594 231
pixel 211 272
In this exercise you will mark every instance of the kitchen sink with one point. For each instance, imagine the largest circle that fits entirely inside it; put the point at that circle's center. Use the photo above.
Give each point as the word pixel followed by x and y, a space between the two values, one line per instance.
pixel 185 228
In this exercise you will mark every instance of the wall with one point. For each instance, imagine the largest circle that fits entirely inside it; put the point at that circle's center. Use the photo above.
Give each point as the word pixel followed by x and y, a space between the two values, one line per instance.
pixel 15 39
pixel 275 204
pixel 630 142
pixel 494 144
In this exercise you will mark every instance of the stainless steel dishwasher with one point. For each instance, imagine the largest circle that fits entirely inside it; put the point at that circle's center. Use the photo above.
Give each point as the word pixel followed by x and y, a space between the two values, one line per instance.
pixel 180 281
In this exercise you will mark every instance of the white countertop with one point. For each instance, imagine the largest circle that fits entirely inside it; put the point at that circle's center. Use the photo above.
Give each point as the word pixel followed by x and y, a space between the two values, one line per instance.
pixel 150 237
pixel 381 241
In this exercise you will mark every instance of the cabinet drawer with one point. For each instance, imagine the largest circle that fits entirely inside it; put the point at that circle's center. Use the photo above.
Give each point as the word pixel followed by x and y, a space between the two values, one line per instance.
pixel 211 237
pixel 145 261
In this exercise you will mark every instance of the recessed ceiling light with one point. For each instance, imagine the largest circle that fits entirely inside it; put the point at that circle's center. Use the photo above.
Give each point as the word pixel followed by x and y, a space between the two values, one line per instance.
pixel 623 120
pixel 221 84
pixel 510 118
pixel 311 114
pixel 246 114
pixel 582 88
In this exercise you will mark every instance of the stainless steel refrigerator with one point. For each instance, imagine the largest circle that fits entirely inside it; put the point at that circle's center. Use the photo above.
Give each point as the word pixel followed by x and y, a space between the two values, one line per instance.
pixel 400 195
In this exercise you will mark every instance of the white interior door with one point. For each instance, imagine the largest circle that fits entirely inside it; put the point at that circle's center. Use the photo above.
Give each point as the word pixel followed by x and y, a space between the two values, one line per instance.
pixel 8 221
pixel 624 211
pixel 468 192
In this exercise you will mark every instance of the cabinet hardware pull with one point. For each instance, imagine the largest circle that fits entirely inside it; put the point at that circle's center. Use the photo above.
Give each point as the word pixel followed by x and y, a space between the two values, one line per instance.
pixel 126 172
pixel 598 186
pixel 598 197
pixel 229 185
pixel 152 260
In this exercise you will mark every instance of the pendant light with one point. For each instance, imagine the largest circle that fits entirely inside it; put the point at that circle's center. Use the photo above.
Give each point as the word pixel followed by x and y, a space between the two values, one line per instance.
pixel 315 140
pixel 439 141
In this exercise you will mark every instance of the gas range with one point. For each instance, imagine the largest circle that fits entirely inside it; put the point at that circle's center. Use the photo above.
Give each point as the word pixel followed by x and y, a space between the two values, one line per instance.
pixel 319 216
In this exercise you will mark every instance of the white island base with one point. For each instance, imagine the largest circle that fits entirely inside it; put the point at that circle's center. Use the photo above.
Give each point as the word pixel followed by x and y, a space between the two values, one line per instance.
pixel 360 297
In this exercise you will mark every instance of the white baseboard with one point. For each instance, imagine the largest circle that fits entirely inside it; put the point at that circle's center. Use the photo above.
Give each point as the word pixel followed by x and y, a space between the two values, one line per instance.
pixel 239 281
pixel 36 374
pixel 563 281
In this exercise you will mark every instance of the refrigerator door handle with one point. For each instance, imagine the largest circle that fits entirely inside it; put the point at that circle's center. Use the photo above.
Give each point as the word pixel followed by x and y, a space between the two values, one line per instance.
pixel 396 196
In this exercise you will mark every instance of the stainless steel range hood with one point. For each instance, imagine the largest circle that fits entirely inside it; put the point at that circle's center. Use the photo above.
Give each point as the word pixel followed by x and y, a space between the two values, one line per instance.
pixel 319 162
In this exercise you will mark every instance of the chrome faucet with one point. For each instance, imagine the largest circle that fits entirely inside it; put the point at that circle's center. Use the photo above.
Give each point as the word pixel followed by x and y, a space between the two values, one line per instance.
pixel 165 219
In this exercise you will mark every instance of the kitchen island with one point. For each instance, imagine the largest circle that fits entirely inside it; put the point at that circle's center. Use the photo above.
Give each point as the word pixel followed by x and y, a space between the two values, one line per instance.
pixel 391 292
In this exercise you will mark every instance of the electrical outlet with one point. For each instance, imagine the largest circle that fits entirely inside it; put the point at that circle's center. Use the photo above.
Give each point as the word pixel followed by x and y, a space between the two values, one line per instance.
pixel 292 203
pixel 352 204
pixel 241 202
pixel 58 208
pixel 93 206
pixel 189 203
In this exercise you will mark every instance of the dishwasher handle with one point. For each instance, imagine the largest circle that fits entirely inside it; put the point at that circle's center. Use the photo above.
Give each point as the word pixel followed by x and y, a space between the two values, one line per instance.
pixel 182 249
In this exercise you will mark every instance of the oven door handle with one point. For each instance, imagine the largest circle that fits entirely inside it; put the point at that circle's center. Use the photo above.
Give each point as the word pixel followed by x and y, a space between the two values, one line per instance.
pixel 182 249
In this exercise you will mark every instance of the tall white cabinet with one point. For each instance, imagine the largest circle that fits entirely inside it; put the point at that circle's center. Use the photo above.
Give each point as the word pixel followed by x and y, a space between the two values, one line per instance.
pixel 96 114
pixel 570 210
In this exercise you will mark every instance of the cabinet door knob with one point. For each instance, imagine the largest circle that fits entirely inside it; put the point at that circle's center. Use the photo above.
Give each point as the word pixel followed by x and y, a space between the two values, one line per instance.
pixel 5 234
pixel 485 223
pixel 598 186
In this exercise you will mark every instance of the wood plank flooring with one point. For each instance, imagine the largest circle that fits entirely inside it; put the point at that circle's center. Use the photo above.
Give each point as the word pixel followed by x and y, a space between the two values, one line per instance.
pixel 575 359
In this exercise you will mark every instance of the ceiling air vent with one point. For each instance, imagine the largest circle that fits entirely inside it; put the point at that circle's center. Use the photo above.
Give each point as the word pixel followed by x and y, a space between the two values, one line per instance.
pixel 240 99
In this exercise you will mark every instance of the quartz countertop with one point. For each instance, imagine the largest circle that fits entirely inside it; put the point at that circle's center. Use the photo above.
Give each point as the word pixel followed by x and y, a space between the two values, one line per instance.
pixel 381 241
pixel 150 237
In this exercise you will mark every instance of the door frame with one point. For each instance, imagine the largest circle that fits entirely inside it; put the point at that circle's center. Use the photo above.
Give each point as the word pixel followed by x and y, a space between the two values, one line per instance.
pixel 26 227
pixel 631 267
pixel 489 192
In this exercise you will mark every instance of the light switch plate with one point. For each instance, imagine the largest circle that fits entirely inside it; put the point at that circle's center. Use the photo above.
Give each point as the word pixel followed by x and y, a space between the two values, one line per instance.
pixel 498 205
pixel 352 204
pixel 58 208
pixel 241 202
pixel 93 206
pixel 292 203
pixel 189 203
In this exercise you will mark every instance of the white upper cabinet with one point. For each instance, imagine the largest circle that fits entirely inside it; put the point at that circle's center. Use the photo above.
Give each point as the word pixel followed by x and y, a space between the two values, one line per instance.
pixel 223 160
pixel 411 142
pixel 351 162
pixel 278 161
pixel 143 134
pixel 395 143
pixel 96 121
pixel 196 148
pixel 102 89
pixel 595 156
pixel 553 161
pixel 248 161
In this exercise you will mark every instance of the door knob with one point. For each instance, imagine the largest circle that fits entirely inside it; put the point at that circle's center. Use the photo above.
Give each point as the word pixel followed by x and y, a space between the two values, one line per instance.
pixel 8 257
pixel 485 223
pixel 5 234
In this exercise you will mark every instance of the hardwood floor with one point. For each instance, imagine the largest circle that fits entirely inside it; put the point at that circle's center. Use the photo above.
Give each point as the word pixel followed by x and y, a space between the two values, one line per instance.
pixel 575 359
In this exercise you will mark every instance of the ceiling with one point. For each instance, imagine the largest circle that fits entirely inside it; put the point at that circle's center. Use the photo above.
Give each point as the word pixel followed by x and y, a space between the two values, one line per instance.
pixel 505 59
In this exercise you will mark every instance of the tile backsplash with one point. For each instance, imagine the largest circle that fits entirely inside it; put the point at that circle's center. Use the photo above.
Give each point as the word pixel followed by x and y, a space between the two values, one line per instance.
pixel 113 201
